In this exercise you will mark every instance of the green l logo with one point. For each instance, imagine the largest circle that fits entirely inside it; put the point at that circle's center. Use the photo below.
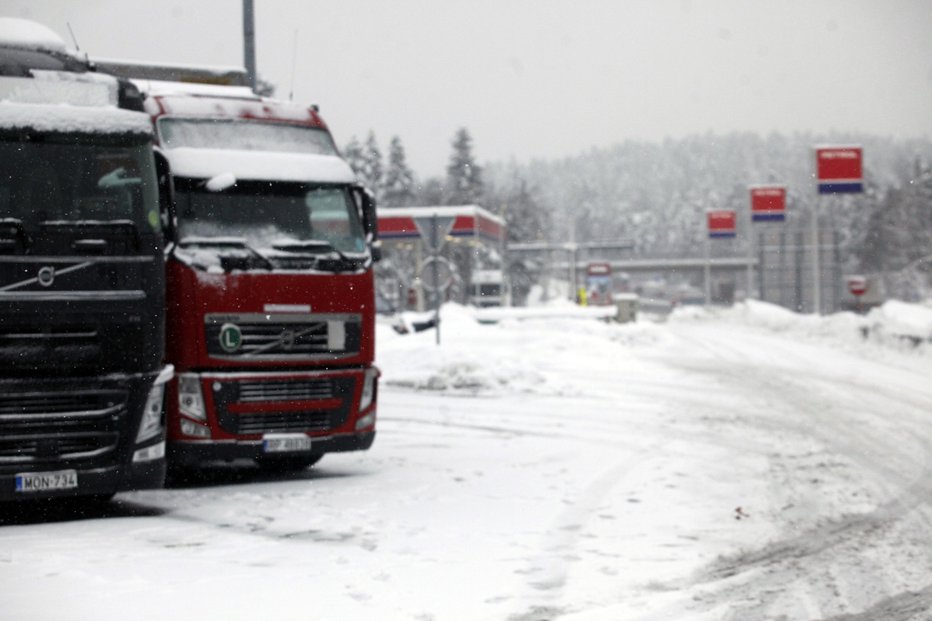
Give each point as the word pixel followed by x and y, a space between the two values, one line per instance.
pixel 230 337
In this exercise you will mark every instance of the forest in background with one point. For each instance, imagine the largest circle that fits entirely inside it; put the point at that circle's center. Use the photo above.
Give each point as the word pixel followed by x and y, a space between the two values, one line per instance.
pixel 655 194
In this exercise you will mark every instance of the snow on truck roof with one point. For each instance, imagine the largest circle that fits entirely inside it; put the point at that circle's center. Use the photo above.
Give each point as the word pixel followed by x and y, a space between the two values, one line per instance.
pixel 232 106
pixel 72 119
pixel 27 34
pixel 201 163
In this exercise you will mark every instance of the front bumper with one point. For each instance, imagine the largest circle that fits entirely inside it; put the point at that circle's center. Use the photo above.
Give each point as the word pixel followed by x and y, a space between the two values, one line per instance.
pixel 93 481
pixel 82 427
pixel 188 453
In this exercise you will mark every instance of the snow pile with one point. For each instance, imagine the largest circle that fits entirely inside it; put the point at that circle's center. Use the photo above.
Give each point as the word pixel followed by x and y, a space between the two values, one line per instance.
pixel 510 356
pixel 894 324
pixel 900 320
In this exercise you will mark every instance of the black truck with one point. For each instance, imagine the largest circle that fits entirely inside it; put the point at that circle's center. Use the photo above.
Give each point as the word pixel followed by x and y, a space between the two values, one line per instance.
pixel 82 282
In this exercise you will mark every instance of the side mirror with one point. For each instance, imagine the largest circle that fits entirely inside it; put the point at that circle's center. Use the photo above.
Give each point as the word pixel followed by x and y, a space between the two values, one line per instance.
pixel 166 187
pixel 370 220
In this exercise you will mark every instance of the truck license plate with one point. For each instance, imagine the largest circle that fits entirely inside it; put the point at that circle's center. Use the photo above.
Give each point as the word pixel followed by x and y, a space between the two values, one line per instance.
pixel 46 481
pixel 286 443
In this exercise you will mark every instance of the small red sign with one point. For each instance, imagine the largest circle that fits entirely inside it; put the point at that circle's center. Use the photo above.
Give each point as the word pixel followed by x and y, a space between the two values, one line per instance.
pixel 768 203
pixel 857 285
pixel 722 222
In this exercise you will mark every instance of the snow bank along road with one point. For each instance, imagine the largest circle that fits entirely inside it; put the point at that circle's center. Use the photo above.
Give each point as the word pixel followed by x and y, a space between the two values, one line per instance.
pixel 748 464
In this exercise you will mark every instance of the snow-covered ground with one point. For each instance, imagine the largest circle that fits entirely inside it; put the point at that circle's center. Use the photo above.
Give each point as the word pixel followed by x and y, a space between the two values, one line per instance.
pixel 739 464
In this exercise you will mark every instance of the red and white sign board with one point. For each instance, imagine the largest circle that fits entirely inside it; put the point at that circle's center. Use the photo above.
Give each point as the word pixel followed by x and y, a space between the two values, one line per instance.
pixel 839 170
pixel 722 223
pixel 470 221
pixel 768 203
pixel 857 285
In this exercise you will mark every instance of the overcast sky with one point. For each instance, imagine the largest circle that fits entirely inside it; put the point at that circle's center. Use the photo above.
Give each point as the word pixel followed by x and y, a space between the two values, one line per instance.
pixel 537 78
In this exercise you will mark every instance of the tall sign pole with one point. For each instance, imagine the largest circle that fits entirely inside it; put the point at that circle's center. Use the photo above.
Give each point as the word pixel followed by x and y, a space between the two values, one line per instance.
pixel 839 170
pixel 249 42
pixel 722 224
pixel 768 204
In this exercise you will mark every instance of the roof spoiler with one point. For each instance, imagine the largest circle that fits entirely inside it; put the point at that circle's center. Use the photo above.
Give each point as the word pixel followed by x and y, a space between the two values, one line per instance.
pixel 220 76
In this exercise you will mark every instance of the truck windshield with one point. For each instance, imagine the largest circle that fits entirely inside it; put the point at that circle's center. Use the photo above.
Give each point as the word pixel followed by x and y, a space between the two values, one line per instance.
pixel 266 214
pixel 44 183
pixel 244 134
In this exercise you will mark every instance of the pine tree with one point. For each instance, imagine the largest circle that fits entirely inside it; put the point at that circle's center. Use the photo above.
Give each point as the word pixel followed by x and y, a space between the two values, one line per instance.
pixel 353 154
pixel 372 166
pixel 464 176
pixel 398 187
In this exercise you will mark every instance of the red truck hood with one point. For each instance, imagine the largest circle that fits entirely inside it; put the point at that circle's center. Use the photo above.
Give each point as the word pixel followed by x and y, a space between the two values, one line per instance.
pixel 262 319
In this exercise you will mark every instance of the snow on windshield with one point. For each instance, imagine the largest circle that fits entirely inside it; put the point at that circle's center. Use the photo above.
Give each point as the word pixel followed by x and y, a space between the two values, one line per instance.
pixel 243 134
pixel 259 165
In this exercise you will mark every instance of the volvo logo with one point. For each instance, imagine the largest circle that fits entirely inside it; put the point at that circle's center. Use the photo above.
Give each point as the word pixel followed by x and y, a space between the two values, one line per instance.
pixel 46 276
pixel 287 339
pixel 230 337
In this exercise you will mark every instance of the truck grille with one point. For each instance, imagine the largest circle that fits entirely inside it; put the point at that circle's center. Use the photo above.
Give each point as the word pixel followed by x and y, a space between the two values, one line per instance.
pixel 282 337
pixel 270 422
pixel 281 397
pixel 44 346
pixel 51 426
pixel 286 390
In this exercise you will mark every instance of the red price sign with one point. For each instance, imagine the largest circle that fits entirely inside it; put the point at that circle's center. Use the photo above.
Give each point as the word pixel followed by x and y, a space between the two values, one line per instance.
pixel 722 223
pixel 839 170
pixel 768 203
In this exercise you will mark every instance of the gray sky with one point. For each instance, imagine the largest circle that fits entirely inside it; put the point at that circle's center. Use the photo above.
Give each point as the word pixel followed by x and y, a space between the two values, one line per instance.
pixel 546 79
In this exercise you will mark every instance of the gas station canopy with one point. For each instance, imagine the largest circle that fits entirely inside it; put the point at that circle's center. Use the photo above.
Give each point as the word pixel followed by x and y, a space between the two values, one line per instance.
pixel 465 221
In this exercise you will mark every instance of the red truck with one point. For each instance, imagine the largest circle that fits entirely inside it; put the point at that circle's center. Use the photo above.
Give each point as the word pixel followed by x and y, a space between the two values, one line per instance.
pixel 271 297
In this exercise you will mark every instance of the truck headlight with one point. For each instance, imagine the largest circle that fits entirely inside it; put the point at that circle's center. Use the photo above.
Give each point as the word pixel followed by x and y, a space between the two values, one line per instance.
pixel 368 388
pixel 190 398
pixel 153 419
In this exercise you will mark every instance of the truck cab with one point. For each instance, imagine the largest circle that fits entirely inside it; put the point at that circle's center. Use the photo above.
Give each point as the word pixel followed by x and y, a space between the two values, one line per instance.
pixel 271 297
pixel 82 278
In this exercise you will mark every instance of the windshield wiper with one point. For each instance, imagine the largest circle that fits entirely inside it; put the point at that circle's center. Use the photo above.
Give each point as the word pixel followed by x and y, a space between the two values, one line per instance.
pixel 16 229
pixel 319 246
pixel 227 242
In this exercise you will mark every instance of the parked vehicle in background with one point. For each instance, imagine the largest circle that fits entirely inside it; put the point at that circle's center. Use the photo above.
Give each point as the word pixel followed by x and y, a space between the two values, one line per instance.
pixel 271 303
pixel 488 288
pixel 82 278
pixel 599 284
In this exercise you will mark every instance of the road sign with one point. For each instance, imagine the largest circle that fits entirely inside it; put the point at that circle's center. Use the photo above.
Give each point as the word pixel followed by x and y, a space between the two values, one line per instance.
pixel 768 203
pixel 433 230
pixel 722 223
pixel 444 276
pixel 857 285
pixel 839 170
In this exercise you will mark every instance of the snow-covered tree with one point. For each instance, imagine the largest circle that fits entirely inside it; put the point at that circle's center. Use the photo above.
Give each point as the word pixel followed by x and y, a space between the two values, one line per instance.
pixel 464 176
pixel 371 174
pixel 398 186
pixel 353 154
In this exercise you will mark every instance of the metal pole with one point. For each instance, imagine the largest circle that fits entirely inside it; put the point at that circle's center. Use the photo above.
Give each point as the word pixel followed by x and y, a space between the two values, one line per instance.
pixel 760 266
pixel 249 42
pixel 750 288
pixel 816 267
pixel 708 271
pixel 434 275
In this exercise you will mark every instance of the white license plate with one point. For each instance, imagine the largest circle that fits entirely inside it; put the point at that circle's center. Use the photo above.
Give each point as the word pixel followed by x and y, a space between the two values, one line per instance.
pixel 286 443
pixel 46 481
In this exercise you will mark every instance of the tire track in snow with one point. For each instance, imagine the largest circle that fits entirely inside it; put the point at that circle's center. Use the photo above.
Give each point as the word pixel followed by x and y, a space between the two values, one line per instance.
pixel 802 567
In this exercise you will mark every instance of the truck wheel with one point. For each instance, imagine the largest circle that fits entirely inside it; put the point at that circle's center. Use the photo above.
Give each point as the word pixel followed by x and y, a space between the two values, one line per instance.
pixel 288 464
